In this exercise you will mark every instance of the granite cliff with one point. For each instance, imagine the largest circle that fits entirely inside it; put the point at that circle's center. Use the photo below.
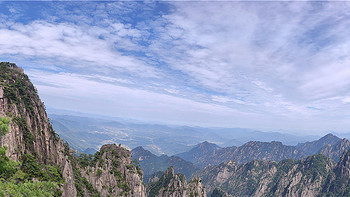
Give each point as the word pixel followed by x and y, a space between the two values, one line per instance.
pixel 36 151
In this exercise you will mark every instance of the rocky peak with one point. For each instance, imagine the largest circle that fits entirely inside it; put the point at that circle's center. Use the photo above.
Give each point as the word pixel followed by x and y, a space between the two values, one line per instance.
pixel 113 173
pixel 140 153
pixel 170 172
pixel 207 145
pixel 175 185
pixel 217 192
pixel 344 163
pixel 309 148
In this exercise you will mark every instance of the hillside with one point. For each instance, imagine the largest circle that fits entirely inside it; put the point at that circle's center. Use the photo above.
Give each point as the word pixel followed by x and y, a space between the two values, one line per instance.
pixel 316 175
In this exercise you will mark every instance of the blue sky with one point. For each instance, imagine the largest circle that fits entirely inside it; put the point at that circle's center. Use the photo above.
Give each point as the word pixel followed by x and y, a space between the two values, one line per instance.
pixel 265 65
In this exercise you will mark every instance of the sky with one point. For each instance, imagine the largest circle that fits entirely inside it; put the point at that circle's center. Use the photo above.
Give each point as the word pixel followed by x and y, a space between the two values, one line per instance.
pixel 267 65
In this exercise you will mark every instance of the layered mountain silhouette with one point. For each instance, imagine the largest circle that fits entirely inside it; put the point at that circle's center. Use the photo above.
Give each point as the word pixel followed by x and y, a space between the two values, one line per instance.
pixel 209 154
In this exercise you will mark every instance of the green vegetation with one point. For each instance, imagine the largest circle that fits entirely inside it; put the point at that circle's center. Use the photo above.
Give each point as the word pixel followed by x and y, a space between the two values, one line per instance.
pixel 317 167
pixel 99 172
pixel 81 182
pixel 218 193
pixel 16 177
pixel 156 186
pixel 32 169
pixel 27 135
pixel 136 163
pixel 4 125
pixel 39 189
pixel 8 167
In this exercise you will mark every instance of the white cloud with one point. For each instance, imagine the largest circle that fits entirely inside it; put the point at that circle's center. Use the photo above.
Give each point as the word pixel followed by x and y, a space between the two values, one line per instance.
pixel 277 68
pixel 346 99
pixel 74 45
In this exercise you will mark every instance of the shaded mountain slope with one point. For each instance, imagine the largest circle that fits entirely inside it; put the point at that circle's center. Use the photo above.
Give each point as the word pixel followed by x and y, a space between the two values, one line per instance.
pixel 151 163
pixel 196 152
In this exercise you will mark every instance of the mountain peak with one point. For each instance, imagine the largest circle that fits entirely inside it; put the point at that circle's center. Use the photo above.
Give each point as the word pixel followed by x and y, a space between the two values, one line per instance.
pixel 330 136
pixel 139 148
pixel 207 144
pixel 170 171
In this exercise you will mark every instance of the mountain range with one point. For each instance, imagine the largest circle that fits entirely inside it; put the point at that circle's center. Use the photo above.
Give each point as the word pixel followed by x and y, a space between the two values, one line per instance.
pixel 315 175
pixel 206 153
pixel 86 133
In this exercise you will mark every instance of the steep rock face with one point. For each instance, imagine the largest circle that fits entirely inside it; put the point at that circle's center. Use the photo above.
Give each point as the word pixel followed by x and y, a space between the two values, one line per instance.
pixel 335 151
pixel 30 130
pixel 268 178
pixel 338 184
pixel 217 175
pixel 114 173
pixel 175 185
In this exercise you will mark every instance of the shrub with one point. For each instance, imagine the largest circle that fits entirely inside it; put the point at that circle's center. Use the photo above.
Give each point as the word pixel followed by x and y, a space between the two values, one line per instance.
pixel 4 125
pixel 99 172
pixel 8 167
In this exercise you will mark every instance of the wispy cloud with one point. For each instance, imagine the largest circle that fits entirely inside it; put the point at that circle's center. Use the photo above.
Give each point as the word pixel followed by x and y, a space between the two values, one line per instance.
pixel 189 62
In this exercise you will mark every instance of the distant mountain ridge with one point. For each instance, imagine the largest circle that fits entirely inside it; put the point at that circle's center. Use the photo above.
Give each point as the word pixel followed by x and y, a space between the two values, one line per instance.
pixel 151 163
pixel 204 148
pixel 329 145
pixel 92 132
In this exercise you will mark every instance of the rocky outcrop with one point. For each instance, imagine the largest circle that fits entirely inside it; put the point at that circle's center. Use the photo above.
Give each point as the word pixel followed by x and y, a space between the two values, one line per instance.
pixel 175 185
pixel 114 174
pixel 219 193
